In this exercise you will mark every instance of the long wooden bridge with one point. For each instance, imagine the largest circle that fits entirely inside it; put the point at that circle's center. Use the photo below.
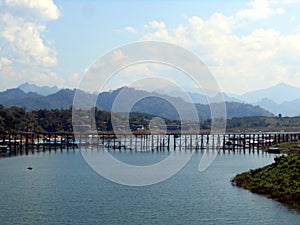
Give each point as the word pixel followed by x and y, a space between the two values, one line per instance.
pixel 23 143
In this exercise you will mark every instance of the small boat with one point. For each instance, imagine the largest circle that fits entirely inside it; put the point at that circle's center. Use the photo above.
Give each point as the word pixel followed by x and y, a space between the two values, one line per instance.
pixel 274 150
pixel 4 149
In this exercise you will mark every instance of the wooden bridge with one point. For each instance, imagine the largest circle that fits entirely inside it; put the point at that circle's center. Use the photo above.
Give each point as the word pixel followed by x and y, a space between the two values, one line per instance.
pixel 23 143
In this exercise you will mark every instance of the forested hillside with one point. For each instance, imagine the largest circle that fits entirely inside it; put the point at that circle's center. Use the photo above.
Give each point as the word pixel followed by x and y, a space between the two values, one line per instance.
pixel 55 120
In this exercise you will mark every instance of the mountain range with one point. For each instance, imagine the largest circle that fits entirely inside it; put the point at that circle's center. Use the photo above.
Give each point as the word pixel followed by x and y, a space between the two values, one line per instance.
pixel 44 90
pixel 279 94
pixel 32 97
pixel 281 99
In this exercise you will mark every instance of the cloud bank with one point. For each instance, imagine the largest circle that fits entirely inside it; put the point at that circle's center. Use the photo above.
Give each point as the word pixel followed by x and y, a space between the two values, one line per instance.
pixel 25 54
pixel 253 58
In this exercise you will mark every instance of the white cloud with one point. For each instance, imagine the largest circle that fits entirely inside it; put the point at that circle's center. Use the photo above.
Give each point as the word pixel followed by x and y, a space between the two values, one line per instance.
pixel 253 60
pixel 285 2
pixel 33 9
pixel 128 29
pixel 259 9
pixel 4 61
pixel 22 24
pixel 49 78
pixel 157 25
pixel 195 33
pixel 161 31
pixel 117 57
pixel 24 40
pixel 100 73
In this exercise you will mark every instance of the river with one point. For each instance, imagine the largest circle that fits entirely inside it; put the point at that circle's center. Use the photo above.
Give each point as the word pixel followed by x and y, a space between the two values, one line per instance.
pixel 63 189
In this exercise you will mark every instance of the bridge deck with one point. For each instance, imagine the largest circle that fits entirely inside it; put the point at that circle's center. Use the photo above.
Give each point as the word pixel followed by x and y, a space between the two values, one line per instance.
pixel 24 142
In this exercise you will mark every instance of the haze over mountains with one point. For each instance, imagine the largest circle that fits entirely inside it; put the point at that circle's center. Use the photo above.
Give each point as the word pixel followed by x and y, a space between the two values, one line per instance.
pixel 279 99
pixel 32 97
pixel 44 90
pixel 282 98
pixel 278 94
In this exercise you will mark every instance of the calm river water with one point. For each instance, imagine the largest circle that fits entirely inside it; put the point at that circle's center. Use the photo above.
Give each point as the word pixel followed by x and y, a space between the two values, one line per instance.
pixel 62 189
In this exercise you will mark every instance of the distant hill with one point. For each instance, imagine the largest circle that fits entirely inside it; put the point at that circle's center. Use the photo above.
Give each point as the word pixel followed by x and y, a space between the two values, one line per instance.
pixel 280 99
pixel 44 90
pixel 14 96
pixel 160 105
pixel 201 98
pixel 156 104
pixel 288 108
pixel 279 93
pixel 62 99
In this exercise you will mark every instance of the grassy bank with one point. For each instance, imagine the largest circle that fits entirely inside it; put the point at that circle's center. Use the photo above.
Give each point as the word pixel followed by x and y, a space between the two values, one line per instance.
pixel 279 181
pixel 287 147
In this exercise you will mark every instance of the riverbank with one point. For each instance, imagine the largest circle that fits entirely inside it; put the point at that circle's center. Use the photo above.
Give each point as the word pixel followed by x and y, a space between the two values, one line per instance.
pixel 287 147
pixel 279 181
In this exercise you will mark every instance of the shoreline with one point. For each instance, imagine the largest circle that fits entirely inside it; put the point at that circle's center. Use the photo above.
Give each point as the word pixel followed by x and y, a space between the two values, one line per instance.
pixel 279 181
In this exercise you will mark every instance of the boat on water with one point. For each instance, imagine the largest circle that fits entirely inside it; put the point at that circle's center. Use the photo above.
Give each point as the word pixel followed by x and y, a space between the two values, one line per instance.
pixel 274 150
pixel 4 149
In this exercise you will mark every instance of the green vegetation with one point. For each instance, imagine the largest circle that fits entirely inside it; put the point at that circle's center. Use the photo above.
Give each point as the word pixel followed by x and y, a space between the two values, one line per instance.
pixel 279 181
pixel 58 120
pixel 15 119
pixel 286 147
pixel 264 123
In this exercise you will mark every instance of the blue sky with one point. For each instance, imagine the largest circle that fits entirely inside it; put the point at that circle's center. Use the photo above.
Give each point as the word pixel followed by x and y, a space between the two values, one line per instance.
pixel 247 45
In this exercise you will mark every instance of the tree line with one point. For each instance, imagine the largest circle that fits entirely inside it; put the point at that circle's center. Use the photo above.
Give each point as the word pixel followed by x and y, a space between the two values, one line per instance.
pixel 15 119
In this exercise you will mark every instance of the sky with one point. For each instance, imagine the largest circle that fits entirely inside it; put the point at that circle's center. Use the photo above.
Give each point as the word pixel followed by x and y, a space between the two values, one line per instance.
pixel 246 45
